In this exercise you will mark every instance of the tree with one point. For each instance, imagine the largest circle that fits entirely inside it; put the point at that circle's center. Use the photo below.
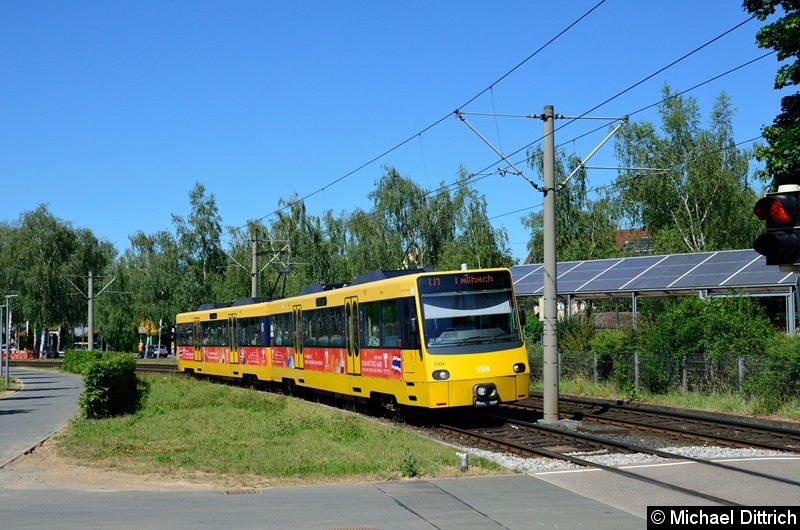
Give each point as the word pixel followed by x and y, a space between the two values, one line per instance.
pixel 156 275
pixel 475 242
pixel 782 154
pixel 199 240
pixel 38 254
pixel 400 210
pixel 584 228
pixel 703 201
pixel 310 256
pixel 369 244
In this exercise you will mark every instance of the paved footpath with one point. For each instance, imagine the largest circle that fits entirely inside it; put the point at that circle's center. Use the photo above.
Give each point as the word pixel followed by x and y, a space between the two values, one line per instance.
pixel 46 402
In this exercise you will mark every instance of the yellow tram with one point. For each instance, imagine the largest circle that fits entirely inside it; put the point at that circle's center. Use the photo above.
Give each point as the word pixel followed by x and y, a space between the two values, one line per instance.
pixel 409 337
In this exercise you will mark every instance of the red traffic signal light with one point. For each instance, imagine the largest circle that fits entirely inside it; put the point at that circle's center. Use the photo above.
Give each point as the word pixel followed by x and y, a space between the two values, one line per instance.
pixel 781 242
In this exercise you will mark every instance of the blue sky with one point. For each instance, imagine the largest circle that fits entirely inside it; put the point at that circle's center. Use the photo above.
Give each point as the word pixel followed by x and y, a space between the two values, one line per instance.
pixel 111 111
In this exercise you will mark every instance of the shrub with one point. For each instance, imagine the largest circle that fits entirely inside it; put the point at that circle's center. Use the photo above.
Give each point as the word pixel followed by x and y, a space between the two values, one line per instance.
pixel 780 381
pixel 533 328
pixel 574 333
pixel 717 331
pixel 78 361
pixel 111 387
pixel 614 349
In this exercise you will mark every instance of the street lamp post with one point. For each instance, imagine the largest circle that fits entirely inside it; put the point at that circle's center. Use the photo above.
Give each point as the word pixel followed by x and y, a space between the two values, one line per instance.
pixel 2 327
pixel 8 331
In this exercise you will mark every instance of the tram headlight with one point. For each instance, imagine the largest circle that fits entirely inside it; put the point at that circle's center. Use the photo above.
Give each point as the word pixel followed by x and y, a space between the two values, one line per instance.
pixel 485 394
pixel 519 368
pixel 441 375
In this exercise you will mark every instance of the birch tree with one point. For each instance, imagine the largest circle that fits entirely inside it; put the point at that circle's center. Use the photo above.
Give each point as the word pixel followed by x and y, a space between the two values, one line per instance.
pixel 703 200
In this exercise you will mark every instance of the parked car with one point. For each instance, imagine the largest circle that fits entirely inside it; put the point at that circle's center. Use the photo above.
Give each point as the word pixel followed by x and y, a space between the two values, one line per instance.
pixel 154 351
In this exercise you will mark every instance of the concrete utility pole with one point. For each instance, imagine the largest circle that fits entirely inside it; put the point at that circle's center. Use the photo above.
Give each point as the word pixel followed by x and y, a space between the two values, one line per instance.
pixel 254 269
pixel 550 371
pixel 2 329
pixel 8 331
pixel 549 334
pixel 90 296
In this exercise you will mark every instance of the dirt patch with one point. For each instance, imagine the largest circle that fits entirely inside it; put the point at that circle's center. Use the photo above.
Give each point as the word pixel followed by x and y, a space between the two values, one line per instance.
pixel 44 468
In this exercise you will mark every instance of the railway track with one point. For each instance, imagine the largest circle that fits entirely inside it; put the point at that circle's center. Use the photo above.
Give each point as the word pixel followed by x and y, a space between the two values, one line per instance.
pixel 589 438
pixel 691 426
pixel 161 368
pixel 538 441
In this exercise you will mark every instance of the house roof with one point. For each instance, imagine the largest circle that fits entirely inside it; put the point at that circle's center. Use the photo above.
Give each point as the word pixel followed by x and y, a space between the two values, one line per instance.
pixel 715 273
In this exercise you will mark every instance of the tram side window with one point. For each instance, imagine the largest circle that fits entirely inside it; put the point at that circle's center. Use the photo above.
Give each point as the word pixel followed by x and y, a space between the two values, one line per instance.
pixel 282 329
pixel 214 333
pixel 222 333
pixel 410 324
pixel 391 327
pixel 337 326
pixel 205 333
pixel 323 324
pixel 184 334
pixel 242 333
pixel 248 331
pixel 370 324
pixel 380 324
pixel 310 329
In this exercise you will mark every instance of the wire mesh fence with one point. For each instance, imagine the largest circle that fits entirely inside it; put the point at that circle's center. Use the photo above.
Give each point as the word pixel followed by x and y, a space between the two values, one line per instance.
pixel 697 372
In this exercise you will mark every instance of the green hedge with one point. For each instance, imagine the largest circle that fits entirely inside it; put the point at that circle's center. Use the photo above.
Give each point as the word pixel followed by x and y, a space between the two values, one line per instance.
pixel 111 387
pixel 78 361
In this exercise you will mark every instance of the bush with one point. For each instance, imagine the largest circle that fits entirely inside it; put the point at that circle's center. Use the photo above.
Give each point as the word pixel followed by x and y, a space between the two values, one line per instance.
pixel 111 387
pixel 780 382
pixel 574 333
pixel 717 331
pixel 533 328
pixel 78 361
pixel 614 349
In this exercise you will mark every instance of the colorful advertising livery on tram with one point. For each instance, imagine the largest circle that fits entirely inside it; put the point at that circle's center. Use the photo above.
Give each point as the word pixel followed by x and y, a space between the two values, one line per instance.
pixel 409 338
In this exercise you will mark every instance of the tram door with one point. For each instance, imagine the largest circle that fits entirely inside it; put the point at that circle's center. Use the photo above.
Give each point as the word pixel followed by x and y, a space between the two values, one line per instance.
pixel 352 336
pixel 297 316
pixel 198 348
pixel 234 356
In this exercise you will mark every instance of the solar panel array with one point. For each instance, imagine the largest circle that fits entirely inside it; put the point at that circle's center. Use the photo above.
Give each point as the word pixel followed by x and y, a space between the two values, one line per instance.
pixel 743 271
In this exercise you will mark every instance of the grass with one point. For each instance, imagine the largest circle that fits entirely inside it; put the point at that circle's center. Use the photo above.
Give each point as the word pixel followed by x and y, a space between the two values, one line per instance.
pixel 189 428
pixel 13 384
pixel 192 429
pixel 713 401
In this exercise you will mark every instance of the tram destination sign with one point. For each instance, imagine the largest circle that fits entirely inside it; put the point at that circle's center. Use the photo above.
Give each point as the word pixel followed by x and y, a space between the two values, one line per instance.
pixel 464 281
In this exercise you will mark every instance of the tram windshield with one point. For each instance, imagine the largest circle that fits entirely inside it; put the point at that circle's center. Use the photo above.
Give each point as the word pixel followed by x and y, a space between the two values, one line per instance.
pixel 468 309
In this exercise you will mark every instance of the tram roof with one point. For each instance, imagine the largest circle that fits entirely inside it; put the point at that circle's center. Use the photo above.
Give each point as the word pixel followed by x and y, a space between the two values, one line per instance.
pixel 714 273
pixel 374 276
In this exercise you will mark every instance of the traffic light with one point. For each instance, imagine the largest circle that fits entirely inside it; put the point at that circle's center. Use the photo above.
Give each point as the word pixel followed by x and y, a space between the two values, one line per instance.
pixel 781 242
